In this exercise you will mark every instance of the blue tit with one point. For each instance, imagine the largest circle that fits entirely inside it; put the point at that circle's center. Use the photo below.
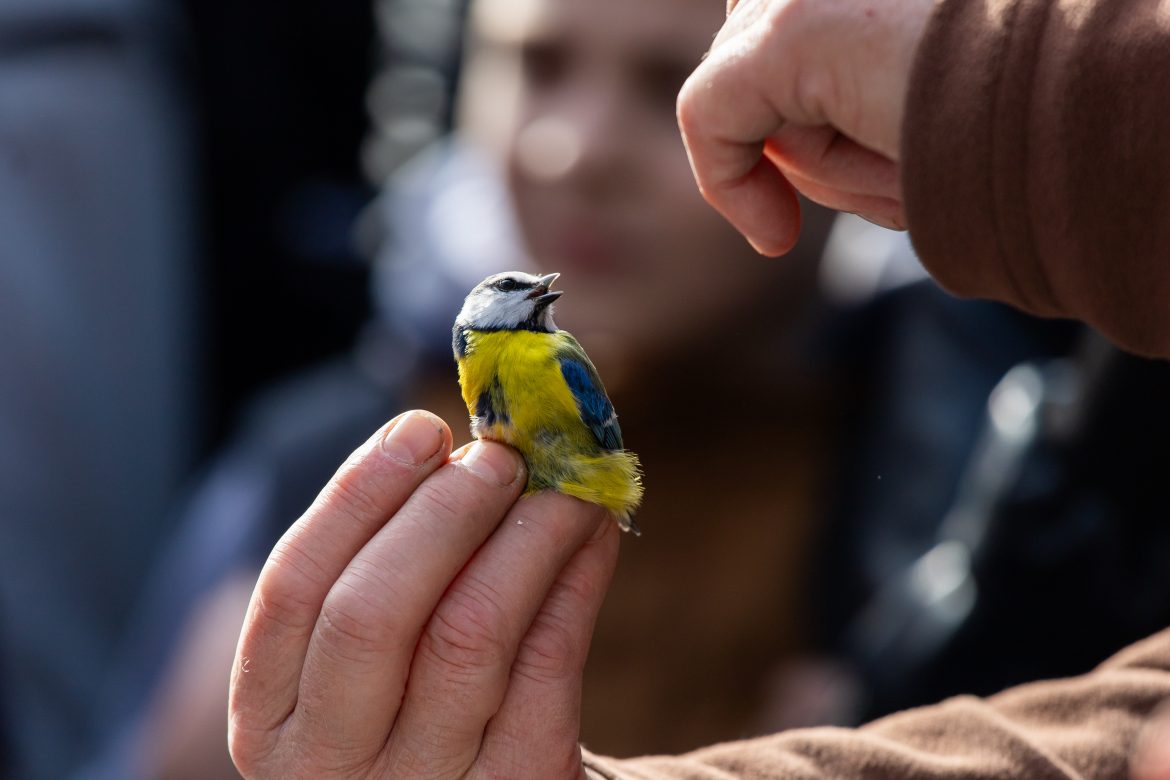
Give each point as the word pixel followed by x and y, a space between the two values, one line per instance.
pixel 528 384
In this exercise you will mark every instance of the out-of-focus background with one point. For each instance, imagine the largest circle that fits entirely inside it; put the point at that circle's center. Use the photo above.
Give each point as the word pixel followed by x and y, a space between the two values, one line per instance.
pixel 233 237
pixel 178 184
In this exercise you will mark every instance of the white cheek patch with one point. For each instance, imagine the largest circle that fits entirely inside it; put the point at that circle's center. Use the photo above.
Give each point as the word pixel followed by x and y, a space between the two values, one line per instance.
pixel 487 310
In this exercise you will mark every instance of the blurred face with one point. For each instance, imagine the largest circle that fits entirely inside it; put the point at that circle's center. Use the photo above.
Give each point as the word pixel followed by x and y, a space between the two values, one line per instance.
pixel 600 181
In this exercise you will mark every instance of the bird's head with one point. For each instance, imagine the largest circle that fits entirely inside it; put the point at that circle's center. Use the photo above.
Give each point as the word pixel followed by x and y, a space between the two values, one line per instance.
pixel 512 300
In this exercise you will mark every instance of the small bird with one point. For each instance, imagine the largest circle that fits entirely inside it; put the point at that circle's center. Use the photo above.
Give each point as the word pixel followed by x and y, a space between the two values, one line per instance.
pixel 528 384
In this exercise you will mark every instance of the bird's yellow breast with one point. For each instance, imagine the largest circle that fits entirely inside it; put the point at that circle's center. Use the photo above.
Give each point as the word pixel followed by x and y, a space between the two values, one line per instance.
pixel 516 393
pixel 524 367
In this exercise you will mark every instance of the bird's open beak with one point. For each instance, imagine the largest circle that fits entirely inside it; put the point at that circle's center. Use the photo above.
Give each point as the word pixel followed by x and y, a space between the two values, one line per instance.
pixel 541 293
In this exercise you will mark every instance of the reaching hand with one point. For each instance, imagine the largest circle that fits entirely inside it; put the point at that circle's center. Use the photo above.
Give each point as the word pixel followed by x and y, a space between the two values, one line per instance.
pixel 802 95
pixel 419 621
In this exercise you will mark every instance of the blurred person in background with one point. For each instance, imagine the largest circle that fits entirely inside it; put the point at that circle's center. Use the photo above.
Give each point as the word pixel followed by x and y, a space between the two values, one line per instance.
pixel 568 159
pixel 100 392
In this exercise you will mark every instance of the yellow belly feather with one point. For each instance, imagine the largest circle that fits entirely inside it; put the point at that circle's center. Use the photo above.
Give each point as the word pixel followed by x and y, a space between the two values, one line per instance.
pixel 542 420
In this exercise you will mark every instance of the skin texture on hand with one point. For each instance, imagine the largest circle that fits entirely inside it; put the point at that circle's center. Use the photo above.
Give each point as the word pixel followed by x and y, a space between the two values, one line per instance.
pixel 1152 758
pixel 419 621
pixel 802 95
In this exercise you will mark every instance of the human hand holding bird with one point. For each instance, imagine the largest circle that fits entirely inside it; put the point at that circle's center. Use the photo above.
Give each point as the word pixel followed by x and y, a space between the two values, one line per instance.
pixel 418 620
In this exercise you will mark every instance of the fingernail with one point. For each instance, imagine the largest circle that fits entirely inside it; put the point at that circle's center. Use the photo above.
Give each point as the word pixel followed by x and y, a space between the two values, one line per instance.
pixel 493 463
pixel 413 440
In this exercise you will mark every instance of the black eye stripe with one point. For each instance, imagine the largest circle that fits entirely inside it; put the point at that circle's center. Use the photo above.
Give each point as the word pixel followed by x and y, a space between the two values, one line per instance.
pixel 509 285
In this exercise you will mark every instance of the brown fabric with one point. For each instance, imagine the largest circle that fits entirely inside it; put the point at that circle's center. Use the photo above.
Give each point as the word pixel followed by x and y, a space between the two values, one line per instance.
pixel 1084 727
pixel 1037 172
pixel 1037 167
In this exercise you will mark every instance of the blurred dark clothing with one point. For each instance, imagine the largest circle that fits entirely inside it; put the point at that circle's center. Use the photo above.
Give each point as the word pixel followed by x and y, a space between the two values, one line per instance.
pixel 279 88
pixel 949 570
pixel 99 388
pixel 922 364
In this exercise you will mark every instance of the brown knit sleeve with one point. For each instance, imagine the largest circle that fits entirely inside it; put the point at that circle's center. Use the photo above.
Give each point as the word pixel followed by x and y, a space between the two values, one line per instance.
pixel 1036 159
pixel 1083 727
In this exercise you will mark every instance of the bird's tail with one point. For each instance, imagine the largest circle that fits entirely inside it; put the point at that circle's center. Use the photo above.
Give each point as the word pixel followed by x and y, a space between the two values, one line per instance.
pixel 612 479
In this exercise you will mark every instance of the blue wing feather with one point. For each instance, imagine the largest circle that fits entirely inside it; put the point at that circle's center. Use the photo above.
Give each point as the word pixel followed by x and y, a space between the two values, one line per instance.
pixel 596 410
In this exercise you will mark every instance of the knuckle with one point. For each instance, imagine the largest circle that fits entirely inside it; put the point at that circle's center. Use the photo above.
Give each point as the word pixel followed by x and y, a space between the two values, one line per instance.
pixel 440 501
pixel 283 587
pixel 557 644
pixel 511 757
pixel 349 493
pixel 578 592
pixel 454 498
pixel 319 757
pixel 465 632
pixel 353 627
pixel 421 758
pixel 817 92
pixel 687 107
pixel 550 652
pixel 249 747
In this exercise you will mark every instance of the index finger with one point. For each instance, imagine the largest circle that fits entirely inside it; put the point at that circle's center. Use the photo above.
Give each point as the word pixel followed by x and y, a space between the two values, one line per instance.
pixel 374 483
pixel 725 121
pixel 359 656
